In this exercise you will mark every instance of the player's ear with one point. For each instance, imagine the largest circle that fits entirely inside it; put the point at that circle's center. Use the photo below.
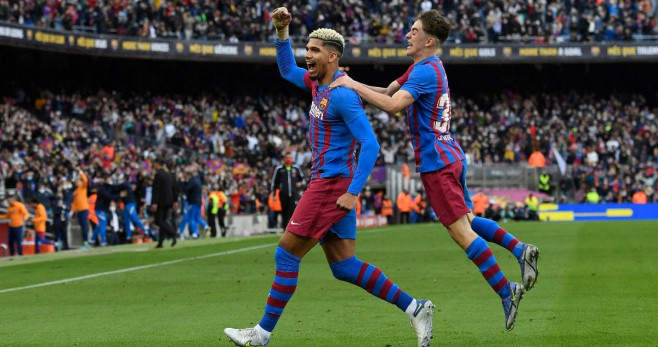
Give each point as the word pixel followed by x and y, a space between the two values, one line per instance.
pixel 430 41
pixel 333 56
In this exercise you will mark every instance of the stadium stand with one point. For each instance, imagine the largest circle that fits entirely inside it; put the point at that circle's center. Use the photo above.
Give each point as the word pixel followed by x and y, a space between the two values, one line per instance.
pixel 533 22
pixel 610 144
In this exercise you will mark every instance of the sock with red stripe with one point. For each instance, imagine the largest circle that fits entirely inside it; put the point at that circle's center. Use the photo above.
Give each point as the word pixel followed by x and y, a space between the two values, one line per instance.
pixel 480 253
pixel 285 283
pixel 492 232
pixel 372 279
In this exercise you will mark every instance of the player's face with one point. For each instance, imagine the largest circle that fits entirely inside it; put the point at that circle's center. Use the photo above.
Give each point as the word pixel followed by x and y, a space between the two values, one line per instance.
pixel 416 39
pixel 317 59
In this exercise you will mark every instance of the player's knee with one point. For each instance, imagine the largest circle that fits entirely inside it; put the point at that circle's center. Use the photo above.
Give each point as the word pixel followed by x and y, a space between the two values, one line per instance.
pixel 346 270
pixel 285 260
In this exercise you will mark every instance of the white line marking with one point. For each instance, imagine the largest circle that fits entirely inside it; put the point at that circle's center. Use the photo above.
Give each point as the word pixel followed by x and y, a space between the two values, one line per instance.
pixel 80 278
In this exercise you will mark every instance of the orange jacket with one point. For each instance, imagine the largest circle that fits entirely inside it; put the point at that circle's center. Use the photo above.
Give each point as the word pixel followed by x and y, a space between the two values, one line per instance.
pixel 404 202
pixel 40 218
pixel 17 215
pixel 405 170
pixel 222 198
pixel 274 205
pixel 480 203
pixel 91 203
pixel 639 197
pixel 419 204
pixel 358 205
pixel 80 195
pixel 387 207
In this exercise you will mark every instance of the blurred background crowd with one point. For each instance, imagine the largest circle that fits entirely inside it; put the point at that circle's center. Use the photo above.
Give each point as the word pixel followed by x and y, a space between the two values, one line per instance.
pixel 364 21
pixel 610 144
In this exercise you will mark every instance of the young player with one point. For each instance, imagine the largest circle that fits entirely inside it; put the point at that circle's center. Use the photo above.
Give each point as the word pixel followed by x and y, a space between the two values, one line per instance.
pixel 425 94
pixel 325 214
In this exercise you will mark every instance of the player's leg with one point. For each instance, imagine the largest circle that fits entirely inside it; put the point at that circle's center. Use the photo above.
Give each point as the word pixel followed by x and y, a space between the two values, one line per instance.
pixel 127 220
pixel 83 221
pixel 340 249
pixel 102 226
pixel 445 195
pixel 184 220
pixel 526 254
pixel 200 220
pixel 287 257
pixel 135 218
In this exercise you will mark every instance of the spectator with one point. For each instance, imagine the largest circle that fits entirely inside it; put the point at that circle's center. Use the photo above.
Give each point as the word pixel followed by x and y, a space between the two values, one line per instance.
pixel 288 179
pixel 532 206
pixel 593 196
pixel 165 194
pixel 480 203
pixel 40 218
pixel 60 222
pixel 640 197
pixel 404 204
pixel 365 21
pixel 17 215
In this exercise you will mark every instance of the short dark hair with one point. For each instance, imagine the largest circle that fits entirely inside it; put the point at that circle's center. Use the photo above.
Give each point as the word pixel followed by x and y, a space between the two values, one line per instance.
pixel 435 24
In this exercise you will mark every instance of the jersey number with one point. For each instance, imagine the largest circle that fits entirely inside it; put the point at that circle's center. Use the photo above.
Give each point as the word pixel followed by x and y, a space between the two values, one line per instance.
pixel 443 125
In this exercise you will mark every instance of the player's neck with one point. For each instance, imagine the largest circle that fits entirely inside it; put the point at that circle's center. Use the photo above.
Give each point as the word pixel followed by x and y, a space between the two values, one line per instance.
pixel 329 76
pixel 424 55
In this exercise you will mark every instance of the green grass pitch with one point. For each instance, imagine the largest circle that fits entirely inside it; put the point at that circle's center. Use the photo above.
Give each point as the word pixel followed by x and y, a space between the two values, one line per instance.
pixel 597 287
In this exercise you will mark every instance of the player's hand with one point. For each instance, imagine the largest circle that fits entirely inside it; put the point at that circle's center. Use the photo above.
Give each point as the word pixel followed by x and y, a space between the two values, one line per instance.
pixel 281 18
pixel 343 81
pixel 346 202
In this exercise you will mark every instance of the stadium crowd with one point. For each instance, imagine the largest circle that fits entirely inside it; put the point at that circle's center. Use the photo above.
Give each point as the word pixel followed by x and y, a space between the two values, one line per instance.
pixel 538 22
pixel 232 142
pixel 610 144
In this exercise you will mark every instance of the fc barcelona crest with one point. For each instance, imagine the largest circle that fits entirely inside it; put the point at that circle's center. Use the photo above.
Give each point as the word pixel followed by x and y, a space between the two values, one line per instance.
pixel 323 103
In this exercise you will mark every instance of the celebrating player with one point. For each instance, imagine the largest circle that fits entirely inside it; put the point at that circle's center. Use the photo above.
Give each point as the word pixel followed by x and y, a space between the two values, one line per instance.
pixel 325 214
pixel 425 94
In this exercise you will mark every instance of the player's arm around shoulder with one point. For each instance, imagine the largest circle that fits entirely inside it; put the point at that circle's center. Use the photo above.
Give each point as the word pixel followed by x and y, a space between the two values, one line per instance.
pixel 389 104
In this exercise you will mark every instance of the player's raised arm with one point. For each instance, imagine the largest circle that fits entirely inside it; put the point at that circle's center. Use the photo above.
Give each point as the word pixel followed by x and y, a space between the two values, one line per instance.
pixel 284 57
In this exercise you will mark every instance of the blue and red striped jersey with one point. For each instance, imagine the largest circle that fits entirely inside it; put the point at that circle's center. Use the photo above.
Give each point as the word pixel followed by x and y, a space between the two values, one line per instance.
pixel 337 122
pixel 428 116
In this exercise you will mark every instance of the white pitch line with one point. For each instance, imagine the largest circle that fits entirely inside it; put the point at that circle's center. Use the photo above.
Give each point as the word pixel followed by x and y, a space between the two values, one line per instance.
pixel 80 278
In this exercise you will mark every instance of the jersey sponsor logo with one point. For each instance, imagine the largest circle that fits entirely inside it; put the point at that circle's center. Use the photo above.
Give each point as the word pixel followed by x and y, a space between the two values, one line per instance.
pixel 316 111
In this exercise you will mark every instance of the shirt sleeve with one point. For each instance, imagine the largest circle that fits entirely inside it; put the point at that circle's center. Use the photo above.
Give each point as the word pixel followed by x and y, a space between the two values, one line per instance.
pixel 421 80
pixel 287 66
pixel 403 79
pixel 350 108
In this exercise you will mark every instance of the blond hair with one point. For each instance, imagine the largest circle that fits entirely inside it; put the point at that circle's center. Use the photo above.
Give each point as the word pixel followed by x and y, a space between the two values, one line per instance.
pixel 330 37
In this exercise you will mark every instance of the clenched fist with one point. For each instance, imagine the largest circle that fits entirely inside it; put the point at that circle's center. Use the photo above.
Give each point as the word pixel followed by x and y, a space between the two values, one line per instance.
pixel 281 18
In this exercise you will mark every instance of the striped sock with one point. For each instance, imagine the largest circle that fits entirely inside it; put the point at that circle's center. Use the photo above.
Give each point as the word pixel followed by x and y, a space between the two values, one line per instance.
pixel 492 232
pixel 285 283
pixel 480 253
pixel 372 279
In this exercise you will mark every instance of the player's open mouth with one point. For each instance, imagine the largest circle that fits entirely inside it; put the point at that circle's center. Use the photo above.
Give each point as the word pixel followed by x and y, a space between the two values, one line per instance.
pixel 311 67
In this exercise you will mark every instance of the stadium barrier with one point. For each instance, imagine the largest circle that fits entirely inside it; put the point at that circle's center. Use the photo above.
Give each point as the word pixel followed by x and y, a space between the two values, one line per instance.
pixel 371 221
pixel 598 212
pixel 12 34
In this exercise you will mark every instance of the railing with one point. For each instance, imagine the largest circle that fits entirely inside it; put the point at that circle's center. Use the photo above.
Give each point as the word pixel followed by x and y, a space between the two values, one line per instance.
pixel 486 176
pixel 82 41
